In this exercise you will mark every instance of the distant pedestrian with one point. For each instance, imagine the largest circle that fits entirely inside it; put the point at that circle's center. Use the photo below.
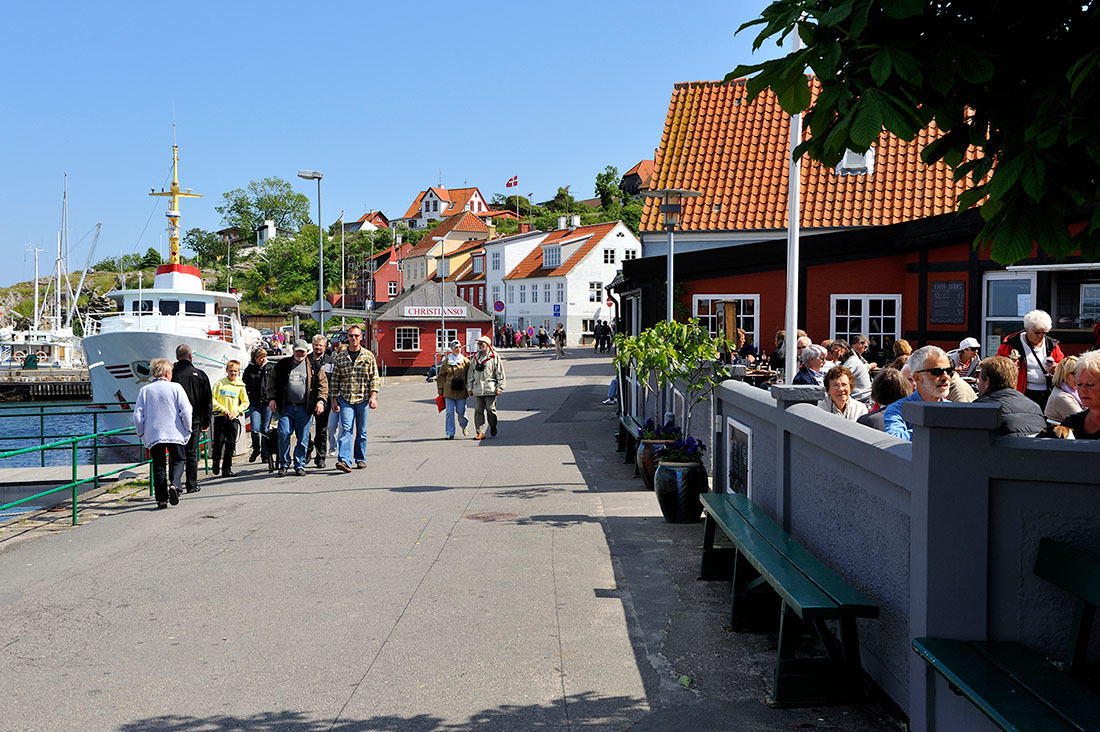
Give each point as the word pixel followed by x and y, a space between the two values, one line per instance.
pixel 230 401
pixel 196 385
pixel 255 378
pixel 296 396
pixel 355 385
pixel 451 384
pixel 320 361
pixel 485 382
pixel 559 342
pixel 544 337
pixel 162 418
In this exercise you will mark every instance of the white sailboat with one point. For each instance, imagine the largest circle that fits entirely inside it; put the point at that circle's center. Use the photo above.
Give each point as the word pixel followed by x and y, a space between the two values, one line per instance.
pixel 151 323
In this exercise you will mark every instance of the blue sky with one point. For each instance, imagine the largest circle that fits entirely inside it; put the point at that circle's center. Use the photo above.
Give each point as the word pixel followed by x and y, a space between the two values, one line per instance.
pixel 379 97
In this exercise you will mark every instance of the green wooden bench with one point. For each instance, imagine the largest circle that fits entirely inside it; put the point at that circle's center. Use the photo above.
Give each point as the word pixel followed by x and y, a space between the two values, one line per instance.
pixel 764 555
pixel 1015 687
pixel 628 437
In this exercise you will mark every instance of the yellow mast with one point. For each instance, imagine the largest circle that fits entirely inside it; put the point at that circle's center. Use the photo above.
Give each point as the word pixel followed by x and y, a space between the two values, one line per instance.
pixel 173 214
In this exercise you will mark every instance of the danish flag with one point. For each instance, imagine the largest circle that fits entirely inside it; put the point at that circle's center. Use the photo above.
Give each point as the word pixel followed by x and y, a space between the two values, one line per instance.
pixel 512 182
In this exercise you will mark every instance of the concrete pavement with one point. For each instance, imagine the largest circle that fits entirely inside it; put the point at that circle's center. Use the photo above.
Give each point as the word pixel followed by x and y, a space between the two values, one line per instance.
pixel 523 582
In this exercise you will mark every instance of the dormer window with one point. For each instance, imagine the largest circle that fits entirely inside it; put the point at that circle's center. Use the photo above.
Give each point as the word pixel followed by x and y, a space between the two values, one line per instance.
pixel 479 265
pixel 551 257
pixel 854 163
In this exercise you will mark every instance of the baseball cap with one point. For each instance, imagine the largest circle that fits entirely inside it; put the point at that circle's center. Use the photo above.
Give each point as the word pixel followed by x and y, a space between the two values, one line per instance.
pixel 970 343
pixel 485 340
pixel 455 343
pixel 300 345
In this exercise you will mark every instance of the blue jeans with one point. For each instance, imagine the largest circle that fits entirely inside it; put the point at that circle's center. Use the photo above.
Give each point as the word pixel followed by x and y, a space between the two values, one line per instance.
pixel 294 418
pixel 353 426
pixel 259 417
pixel 453 406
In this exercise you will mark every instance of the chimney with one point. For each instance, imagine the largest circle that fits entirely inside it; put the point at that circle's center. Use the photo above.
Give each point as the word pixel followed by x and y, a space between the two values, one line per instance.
pixel 561 222
pixel 576 220
pixel 492 231
pixel 524 227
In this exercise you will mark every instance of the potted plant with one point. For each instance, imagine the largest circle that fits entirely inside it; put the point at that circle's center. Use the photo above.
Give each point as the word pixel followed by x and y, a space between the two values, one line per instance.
pixel 680 479
pixel 651 436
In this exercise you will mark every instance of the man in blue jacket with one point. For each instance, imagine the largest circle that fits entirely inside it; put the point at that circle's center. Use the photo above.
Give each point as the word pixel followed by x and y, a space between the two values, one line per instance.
pixel 932 372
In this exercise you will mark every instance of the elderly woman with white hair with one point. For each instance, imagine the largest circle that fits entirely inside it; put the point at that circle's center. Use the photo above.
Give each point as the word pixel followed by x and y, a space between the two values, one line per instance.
pixel 811 361
pixel 1036 355
pixel 1086 424
pixel 162 416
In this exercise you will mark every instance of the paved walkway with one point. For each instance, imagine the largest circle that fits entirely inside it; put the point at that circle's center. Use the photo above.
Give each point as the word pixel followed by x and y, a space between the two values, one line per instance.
pixel 520 583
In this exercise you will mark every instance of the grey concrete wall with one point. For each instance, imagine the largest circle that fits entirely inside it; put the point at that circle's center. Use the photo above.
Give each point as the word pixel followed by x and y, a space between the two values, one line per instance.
pixel 942 532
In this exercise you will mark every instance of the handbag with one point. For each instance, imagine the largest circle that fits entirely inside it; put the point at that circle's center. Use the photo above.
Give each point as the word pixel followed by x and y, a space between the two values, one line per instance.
pixel 458 384
pixel 440 402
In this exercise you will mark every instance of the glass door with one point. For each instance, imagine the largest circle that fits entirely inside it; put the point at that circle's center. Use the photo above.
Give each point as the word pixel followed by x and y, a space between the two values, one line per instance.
pixel 1006 298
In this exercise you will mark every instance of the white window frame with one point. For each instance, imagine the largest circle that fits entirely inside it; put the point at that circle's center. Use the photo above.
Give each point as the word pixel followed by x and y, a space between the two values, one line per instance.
pixel 560 292
pixel 391 288
pixel 511 290
pixel 853 163
pixel 496 293
pixel 523 294
pixel 397 336
pixel 496 261
pixel 534 292
pixel 991 343
pixel 863 328
pixel 441 343
pixel 551 257
pixel 630 254
pixel 754 331
pixel 595 292
pixel 479 265
pixel 609 256
pixel 546 292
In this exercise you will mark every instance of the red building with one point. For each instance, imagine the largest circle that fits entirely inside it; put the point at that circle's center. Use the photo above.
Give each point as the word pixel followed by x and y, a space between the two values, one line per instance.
pixel 386 283
pixel 407 333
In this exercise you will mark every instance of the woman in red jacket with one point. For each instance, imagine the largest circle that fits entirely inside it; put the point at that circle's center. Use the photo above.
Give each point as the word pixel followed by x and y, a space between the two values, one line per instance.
pixel 1036 355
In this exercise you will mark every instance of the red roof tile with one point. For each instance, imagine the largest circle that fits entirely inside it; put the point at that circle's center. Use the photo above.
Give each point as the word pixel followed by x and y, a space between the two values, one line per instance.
pixel 736 154
pixel 465 222
pixel 531 266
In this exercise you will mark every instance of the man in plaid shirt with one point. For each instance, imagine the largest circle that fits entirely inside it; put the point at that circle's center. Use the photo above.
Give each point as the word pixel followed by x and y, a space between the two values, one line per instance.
pixel 353 389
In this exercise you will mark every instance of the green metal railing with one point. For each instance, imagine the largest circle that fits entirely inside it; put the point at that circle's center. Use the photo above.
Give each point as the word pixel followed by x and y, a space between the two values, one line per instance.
pixel 73 445
pixel 95 410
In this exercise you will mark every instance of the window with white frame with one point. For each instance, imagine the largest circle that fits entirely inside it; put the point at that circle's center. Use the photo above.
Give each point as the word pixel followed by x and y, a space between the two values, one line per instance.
pixel 534 293
pixel 496 261
pixel 522 294
pixel 443 338
pixel 496 292
pixel 630 254
pixel 876 316
pixel 588 325
pixel 391 288
pixel 705 307
pixel 406 339
pixel 609 256
pixel 546 292
pixel 511 290
pixel 561 292
pixel 595 291
pixel 551 257
pixel 479 265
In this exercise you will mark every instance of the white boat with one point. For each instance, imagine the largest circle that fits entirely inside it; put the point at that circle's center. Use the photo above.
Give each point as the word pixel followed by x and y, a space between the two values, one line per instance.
pixel 151 323
pixel 52 348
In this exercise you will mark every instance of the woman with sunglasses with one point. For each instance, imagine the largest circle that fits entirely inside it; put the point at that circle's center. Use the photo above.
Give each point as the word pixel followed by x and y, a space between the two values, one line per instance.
pixel 1036 354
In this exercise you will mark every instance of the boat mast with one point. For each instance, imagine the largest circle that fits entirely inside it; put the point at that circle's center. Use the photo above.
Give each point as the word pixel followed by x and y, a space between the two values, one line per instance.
pixel 36 250
pixel 173 213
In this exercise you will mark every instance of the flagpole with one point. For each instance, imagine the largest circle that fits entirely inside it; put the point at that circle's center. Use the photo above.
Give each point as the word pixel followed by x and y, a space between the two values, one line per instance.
pixel 794 189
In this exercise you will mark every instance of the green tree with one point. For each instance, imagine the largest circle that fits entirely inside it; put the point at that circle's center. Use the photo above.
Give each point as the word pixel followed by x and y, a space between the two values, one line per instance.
pixel 508 203
pixel 151 258
pixel 607 186
pixel 562 201
pixel 1033 117
pixel 207 246
pixel 270 198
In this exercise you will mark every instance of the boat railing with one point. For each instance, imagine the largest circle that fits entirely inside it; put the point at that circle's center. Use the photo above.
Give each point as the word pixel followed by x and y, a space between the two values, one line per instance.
pixel 223 327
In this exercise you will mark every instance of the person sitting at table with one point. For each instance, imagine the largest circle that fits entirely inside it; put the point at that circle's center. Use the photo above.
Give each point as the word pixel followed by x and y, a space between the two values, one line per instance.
pixel 812 360
pixel 838 395
pixel 888 387
pixel 1086 424
pixel 1064 399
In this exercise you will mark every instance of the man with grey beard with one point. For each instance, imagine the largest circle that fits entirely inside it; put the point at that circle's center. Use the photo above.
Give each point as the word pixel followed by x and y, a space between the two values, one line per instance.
pixel 932 371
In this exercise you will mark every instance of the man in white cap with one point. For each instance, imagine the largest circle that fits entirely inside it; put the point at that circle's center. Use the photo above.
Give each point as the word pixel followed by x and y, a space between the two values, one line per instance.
pixel 485 382
pixel 296 394
pixel 965 358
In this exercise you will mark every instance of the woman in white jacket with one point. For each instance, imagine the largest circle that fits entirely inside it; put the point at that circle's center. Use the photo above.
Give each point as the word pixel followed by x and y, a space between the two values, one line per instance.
pixel 162 416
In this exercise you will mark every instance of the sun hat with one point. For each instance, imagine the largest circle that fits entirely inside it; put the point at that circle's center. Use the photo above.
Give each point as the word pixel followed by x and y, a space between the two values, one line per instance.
pixel 970 343
pixel 485 340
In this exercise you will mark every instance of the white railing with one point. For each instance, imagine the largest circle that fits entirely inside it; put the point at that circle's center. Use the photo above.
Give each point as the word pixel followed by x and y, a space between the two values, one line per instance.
pixel 221 327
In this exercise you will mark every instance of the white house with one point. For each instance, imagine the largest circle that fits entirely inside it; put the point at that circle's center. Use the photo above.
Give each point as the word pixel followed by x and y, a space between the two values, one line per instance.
pixel 438 203
pixel 502 255
pixel 564 278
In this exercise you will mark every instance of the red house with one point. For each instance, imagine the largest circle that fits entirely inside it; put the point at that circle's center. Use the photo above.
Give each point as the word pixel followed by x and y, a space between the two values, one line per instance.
pixel 882 252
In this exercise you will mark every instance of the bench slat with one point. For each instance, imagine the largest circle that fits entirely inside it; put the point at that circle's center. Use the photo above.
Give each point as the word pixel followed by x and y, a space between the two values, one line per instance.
pixel 992 691
pixel 796 589
pixel 1073 701
pixel 853 602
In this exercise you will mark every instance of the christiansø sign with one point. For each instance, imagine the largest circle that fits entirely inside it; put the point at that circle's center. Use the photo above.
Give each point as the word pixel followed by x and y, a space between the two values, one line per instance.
pixel 420 311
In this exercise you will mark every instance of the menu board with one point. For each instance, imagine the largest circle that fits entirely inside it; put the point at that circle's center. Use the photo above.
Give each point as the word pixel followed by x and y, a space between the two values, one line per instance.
pixel 947 300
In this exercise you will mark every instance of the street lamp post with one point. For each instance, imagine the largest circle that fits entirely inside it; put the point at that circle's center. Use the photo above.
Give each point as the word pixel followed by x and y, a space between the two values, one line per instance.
pixel 440 268
pixel 671 208
pixel 317 176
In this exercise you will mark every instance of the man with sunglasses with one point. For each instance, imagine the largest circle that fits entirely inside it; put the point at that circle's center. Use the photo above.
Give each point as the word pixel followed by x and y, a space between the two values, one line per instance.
pixel 932 372
pixel 354 389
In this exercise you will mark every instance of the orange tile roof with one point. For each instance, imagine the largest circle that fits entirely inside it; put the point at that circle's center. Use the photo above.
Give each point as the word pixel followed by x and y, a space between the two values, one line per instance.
pixel 736 154
pixel 464 221
pixel 414 209
pixel 455 198
pixel 531 266
pixel 644 170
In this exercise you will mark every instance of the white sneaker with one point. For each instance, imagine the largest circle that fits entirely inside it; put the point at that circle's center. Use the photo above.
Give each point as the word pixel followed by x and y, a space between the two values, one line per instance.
pixel 608 401
pixel 466 431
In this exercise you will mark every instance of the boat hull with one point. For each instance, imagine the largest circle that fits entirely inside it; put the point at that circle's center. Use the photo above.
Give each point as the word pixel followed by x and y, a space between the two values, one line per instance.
pixel 118 363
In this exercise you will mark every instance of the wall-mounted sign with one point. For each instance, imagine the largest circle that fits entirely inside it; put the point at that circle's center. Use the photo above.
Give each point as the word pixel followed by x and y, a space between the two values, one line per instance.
pixel 947 302
pixel 421 311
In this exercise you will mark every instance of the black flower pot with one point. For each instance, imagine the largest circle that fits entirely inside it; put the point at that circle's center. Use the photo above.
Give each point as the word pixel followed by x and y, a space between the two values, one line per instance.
pixel 678 487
